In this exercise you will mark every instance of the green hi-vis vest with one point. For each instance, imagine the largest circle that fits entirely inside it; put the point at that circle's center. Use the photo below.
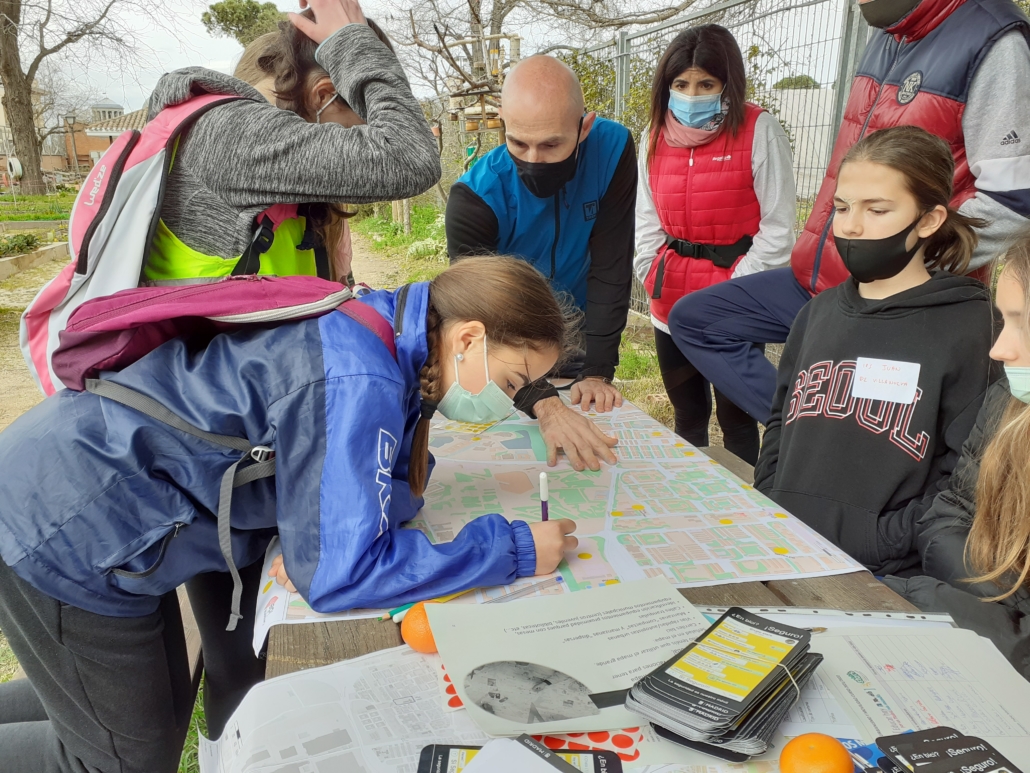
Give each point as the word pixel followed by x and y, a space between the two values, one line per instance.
pixel 283 251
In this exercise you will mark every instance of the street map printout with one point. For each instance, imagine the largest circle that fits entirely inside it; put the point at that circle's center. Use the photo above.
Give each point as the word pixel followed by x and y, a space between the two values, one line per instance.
pixel 665 510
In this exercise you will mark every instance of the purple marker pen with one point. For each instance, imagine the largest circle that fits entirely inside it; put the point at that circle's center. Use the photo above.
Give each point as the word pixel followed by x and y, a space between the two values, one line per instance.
pixel 543 496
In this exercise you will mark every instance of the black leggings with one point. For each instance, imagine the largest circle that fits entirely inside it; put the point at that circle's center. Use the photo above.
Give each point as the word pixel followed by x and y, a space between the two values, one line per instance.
pixel 230 666
pixel 691 398
pixel 112 694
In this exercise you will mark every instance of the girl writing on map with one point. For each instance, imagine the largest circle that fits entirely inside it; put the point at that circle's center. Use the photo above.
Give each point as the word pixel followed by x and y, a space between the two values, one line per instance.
pixel 286 56
pixel 105 511
pixel 881 377
pixel 974 540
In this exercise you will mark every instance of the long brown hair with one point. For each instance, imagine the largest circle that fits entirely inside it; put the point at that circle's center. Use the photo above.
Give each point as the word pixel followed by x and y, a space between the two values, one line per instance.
pixel 998 547
pixel 287 57
pixel 517 307
pixel 927 164
pixel 713 49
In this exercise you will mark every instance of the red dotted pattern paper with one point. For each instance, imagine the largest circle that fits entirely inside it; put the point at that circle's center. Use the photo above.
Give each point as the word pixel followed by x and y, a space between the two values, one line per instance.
pixel 625 742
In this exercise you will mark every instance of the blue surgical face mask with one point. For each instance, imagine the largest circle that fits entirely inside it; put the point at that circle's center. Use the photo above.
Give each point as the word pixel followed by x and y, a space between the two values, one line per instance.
pixel 490 405
pixel 1019 382
pixel 695 112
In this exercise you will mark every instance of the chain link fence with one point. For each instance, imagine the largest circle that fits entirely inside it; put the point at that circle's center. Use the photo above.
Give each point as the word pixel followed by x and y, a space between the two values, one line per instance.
pixel 800 58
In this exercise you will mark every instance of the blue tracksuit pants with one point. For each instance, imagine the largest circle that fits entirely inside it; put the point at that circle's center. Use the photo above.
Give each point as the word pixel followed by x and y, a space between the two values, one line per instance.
pixel 717 330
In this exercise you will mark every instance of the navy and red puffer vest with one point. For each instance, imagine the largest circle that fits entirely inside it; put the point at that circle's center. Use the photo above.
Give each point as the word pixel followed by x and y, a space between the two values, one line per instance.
pixel 704 195
pixel 917 73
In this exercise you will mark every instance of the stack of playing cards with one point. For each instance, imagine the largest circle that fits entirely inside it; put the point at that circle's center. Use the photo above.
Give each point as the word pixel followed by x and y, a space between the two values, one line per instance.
pixel 940 750
pixel 728 691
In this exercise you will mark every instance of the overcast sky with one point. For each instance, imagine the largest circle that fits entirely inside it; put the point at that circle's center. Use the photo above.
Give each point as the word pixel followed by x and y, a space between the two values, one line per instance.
pixel 180 41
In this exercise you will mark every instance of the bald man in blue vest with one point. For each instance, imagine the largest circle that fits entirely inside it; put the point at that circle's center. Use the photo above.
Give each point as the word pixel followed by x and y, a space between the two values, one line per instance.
pixel 561 195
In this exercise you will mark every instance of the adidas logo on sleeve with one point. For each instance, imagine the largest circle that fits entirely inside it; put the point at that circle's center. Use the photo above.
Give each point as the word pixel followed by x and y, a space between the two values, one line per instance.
pixel 1011 138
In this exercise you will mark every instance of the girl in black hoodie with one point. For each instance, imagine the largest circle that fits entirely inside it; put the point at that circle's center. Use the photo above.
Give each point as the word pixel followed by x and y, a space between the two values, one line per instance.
pixel 881 377
pixel 975 538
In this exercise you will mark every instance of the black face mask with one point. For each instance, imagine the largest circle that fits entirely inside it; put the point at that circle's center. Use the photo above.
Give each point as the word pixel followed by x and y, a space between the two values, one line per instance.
pixel 886 13
pixel 872 259
pixel 545 180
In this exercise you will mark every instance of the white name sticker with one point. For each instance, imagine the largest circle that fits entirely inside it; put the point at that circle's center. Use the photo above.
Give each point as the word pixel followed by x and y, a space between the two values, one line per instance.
pixel 888 380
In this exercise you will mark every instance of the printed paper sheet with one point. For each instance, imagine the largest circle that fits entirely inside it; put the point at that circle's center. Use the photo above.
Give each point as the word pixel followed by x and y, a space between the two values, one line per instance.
pixel 911 679
pixel 665 510
pixel 369 715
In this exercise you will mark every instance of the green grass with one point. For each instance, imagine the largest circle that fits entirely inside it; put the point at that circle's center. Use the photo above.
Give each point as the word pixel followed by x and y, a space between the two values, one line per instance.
pixel 189 762
pixel 52 207
pixel 638 376
pixel 8 663
pixel 422 253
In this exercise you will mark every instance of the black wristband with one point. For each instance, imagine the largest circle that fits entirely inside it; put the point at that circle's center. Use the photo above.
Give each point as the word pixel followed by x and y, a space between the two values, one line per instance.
pixel 533 393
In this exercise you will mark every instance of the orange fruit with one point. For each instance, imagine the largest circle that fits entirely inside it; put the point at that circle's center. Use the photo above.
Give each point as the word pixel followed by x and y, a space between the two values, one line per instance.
pixel 415 629
pixel 815 753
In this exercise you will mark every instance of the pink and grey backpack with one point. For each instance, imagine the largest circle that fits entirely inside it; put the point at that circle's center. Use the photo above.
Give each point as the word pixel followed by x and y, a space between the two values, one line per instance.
pixel 112 227
pixel 110 333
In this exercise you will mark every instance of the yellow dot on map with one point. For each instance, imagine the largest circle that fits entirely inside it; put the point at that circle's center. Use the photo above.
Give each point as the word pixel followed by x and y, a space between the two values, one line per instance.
pixel 679 445
pixel 617 513
pixel 477 438
pixel 656 434
pixel 714 462
pixel 779 515
pixel 585 556
pixel 267 586
pixel 726 520
pixel 781 551
pixel 745 487
pixel 688 453
pixel 638 507
pixel 613 582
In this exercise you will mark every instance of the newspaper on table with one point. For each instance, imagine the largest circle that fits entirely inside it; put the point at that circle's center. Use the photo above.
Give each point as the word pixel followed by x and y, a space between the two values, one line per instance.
pixel 665 510
pixel 368 715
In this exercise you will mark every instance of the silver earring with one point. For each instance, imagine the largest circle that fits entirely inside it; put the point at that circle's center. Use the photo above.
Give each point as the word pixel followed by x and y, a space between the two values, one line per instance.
pixel 460 357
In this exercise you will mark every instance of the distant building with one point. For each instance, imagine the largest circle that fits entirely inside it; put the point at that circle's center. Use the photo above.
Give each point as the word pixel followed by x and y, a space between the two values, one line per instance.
pixel 105 110
pixel 105 132
pixel 91 138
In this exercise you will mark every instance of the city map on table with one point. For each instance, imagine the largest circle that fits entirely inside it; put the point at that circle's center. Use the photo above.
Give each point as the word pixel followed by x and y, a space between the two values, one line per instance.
pixel 665 510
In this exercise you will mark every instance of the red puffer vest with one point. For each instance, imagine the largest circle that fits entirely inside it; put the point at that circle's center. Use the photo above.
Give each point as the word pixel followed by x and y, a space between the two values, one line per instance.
pixel 703 195
pixel 915 73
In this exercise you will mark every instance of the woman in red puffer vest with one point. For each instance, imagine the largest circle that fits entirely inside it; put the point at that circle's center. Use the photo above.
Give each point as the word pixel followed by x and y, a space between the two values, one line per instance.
pixel 715 200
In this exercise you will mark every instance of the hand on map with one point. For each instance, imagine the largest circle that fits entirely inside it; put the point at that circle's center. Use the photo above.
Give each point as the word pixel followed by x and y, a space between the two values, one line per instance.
pixel 603 395
pixel 552 540
pixel 330 17
pixel 278 571
pixel 574 433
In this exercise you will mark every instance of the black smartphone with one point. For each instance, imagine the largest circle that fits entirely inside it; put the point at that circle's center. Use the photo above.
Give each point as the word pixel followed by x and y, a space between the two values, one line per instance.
pixel 441 758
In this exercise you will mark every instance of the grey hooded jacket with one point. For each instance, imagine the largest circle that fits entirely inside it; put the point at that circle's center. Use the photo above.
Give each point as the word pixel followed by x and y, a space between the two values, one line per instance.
pixel 243 157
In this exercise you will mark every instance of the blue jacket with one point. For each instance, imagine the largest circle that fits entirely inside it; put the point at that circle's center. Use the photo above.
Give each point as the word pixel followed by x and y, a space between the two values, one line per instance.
pixel 553 235
pixel 580 239
pixel 90 486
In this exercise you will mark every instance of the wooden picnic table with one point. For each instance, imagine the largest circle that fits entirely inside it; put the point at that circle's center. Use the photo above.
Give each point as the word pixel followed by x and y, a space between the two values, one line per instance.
pixel 296 647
